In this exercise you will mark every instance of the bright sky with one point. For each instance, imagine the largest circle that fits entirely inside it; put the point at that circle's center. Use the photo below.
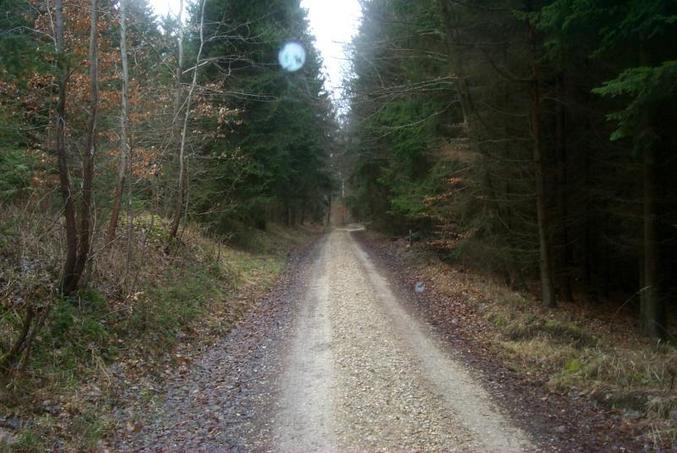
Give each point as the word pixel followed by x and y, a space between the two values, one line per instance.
pixel 162 7
pixel 333 22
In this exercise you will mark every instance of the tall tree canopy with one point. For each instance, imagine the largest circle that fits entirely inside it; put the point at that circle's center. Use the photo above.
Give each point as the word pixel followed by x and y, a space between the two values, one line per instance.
pixel 109 114
pixel 513 133
pixel 268 151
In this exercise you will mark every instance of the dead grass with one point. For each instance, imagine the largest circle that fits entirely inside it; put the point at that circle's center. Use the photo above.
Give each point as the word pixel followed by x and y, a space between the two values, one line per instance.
pixel 579 349
pixel 580 353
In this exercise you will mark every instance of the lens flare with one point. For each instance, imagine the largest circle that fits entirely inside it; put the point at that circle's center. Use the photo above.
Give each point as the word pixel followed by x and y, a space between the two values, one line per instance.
pixel 292 57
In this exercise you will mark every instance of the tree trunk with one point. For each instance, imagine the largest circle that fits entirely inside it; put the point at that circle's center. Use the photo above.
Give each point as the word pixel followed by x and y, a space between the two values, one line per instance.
pixel 183 177
pixel 124 119
pixel 179 69
pixel 562 195
pixel 67 283
pixel 329 211
pixel 455 61
pixel 590 231
pixel 652 307
pixel 85 233
pixel 176 220
pixel 545 258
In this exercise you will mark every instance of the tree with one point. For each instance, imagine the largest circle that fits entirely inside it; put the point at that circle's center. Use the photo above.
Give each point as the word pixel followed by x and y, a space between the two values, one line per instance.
pixel 69 282
pixel 72 279
pixel 485 128
pixel 124 164
pixel 269 136
pixel 182 178
pixel 645 78
pixel 544 229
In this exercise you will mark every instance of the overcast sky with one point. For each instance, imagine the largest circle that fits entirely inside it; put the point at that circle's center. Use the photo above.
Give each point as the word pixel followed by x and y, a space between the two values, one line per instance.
pixel 333 22
pixel 162 7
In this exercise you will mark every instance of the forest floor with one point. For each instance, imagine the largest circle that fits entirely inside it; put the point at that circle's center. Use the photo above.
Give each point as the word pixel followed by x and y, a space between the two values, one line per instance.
pixel 344 354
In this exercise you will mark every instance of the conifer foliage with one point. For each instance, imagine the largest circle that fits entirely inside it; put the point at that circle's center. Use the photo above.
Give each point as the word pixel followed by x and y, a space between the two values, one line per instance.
pixel 110 113
pixel 528 138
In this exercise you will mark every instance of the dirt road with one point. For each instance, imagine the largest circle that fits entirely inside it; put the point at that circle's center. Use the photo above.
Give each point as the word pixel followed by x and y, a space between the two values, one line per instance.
pixel 364 374
pixel 333 363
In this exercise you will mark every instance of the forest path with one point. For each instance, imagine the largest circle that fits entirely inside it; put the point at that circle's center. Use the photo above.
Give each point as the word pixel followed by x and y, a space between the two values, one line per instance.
pixel 331 362
pixel 363 374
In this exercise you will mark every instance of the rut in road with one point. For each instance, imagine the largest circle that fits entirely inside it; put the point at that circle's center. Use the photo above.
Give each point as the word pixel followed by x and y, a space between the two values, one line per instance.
pixel 363 374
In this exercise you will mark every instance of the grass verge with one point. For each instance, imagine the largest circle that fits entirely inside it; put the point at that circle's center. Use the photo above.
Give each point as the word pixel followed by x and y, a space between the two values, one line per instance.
pixel 583 350
pixel 138 321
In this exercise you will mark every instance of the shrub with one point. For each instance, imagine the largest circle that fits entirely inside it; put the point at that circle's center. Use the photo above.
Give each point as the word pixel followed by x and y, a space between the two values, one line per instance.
pixel 16 169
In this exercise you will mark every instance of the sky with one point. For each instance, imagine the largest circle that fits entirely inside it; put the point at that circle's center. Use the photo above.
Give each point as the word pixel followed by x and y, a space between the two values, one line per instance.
pixel 333 22
pixel 162 7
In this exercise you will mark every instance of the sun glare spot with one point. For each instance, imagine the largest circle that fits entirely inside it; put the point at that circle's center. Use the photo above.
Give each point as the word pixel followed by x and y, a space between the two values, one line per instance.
pixel 292 57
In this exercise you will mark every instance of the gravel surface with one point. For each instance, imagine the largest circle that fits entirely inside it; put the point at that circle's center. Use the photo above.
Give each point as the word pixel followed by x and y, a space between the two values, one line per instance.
pixel 304 420
pixel 558 421
pixel 225 402
pixel 330 361
pixel 396 389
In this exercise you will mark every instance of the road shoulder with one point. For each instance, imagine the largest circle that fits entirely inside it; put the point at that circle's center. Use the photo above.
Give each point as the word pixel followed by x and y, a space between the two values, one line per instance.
pixel 556 421
pixel 225 399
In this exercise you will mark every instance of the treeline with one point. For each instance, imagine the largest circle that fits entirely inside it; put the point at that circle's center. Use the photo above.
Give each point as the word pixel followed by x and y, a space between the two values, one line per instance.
pixel 109 113
pixel 532 139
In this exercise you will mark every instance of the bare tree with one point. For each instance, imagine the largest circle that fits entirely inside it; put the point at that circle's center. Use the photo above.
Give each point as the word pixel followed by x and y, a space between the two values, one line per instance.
pixel 125 150
pixel 64 177
pixel 183 179
pixel 85 233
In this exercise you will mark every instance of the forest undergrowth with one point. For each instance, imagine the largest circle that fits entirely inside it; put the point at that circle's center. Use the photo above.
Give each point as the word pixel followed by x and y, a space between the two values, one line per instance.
pixel 148 311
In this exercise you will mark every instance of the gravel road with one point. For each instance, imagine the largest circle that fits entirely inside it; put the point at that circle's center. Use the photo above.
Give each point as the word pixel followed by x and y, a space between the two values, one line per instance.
pixel 331 362
pixel 364 374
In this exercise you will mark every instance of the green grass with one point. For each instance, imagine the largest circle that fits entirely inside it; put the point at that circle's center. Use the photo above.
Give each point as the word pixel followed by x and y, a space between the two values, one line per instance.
pixel 28 441
pixel 516 322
